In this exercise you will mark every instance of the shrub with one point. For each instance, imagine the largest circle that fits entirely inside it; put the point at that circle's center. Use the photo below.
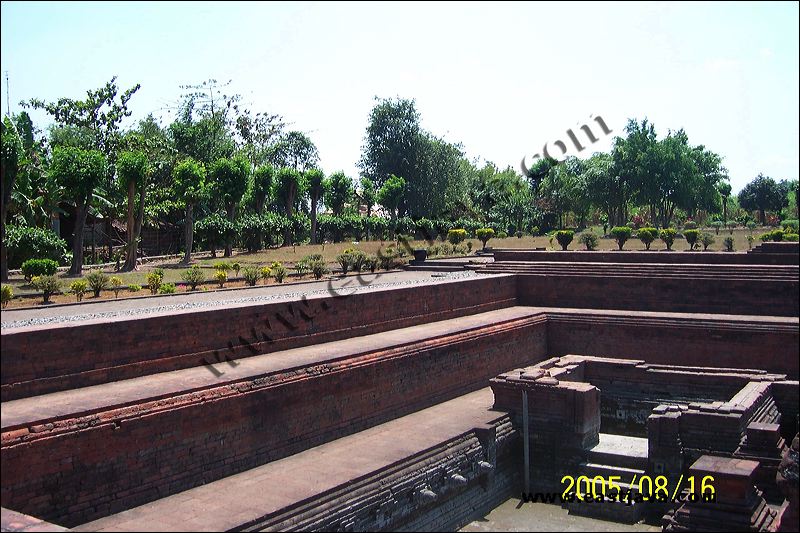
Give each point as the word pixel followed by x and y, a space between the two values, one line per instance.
pixel 647 236
pixel 790 224
pixel 301 267
pixel 751 225
pixel 265 272
pixel 251 275
pixel 750 242
pixel 456 236
pixel 49 285
pixel 469 247
pixel 484 235
pixel 707 240
pixel 6 294
pixel 116 285
pixel 154 280
pixel 318 268
pixel 98 281
pixel 502 235
pixel 621 234
pixel 774 235
pixel 535 231
pixel 731 227
pixel 134 288
pixel 26 242
pixel 589 240
pixel 194 277
pixel 278 271
pixel 371 263
pixel 691 236
pixel 313 257
pixel 716 225
pixel 357 260
pixel 668 236
pixel 224 266
pixel 220 276
pixel 690 224
pixel 78 288
pixel 167 288
pixel 387 258
pixel 344 262
pixel 728 242
pixel 564 237
pixel 236 267
pixel 38 267
pixel 790 237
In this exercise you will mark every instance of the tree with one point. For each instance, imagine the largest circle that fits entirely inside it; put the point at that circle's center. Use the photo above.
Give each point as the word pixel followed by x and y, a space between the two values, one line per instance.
pixel 132 170
pixel 763 194
pixel 80 171
pixel 390 196
pixel 230 182
pixel 12 153
pixel 295 150
pixel 315 179
pixel 190 185
pixel 368 194
pixel 338 192
pixel 724 189
pixel 391 141
pixel 100 114
pixel 263 181
pixel 290 185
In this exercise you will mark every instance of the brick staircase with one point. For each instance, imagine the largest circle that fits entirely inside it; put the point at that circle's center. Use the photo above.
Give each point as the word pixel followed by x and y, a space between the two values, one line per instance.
pixel 615 455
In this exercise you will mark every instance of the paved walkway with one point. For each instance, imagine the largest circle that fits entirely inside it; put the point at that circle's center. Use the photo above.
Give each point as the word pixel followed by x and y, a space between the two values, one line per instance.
pixel 230 502
pixel 111 308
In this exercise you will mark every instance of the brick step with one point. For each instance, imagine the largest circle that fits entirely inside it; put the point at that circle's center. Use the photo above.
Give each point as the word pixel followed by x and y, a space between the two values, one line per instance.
pixel 596 469
pixel 620 451
pixel 424 267
pixel 615 511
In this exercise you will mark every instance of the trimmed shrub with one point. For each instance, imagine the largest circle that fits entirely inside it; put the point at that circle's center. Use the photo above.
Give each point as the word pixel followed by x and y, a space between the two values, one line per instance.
pixel 301 267
pixel 116 285
pixel 689 224
pixel 38 267
pixel 775 235
pixel 706 239
pixel 167 288
pixel 134 288
pixel 750 240
pixel 456 236
pixel 223 265
pixel 6 294
pixel 266 273
pixel 371 263
pixel 25 242
pixel 154 281
pixel 621 234
pixel 502 235
pixel 589 240
pixel 98 281
pixel 691 236
pixel 78 288
pixel 251 275
pixel 318 268
pixel 357 260
pixel 790 224
pixel 220 276
pixel 387 258
pixel 344 262
pixel 668 236
pixel 194 277
pixel 278 271
pixel 716 225
pixel 564 237
pixel 728 242
pixel 647 236
pixel 790 237
pixel 236 267
pixel 751 225
pixel 49 285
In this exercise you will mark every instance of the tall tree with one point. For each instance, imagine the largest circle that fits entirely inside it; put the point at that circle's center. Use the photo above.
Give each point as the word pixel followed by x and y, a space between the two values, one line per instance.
pixel 190 185
pixel 724 189
pixel 338 192
pixel 101 114
pixel 390 196
pixel 263 182
pixel 290 185
pixel 80 171
pixel 12 153
pixel 315 180
pixel 230 181
pixel 294 150
pixel 763 194
pixel 391 141
pixel 132 170
pixel 368 194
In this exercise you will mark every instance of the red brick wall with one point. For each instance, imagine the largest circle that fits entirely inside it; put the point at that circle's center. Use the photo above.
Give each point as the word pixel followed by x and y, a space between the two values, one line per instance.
pixel 691 341
pixel 724 295
pixel 631 256
pixel 127 458
pixel 72 355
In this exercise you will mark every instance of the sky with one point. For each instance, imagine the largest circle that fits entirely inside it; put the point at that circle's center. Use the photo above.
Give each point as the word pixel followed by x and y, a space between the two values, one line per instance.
pixel 501 79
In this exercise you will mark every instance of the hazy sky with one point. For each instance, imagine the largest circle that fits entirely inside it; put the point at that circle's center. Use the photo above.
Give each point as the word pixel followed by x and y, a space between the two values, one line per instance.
pixel 502 79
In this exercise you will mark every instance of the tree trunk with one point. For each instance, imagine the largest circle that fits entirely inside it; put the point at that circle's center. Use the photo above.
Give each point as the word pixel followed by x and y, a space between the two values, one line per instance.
pixel 287 237
pixel 314 201
pixel 260 232
pixel 81 210
pixel 3 252
pixel 130 250
pixel 763 217
pixel 189 233
pixel 229 237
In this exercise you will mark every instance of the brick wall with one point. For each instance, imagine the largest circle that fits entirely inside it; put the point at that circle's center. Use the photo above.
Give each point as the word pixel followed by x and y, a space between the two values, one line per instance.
pixel 72 355
pixel 126 458
pixel 631 256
